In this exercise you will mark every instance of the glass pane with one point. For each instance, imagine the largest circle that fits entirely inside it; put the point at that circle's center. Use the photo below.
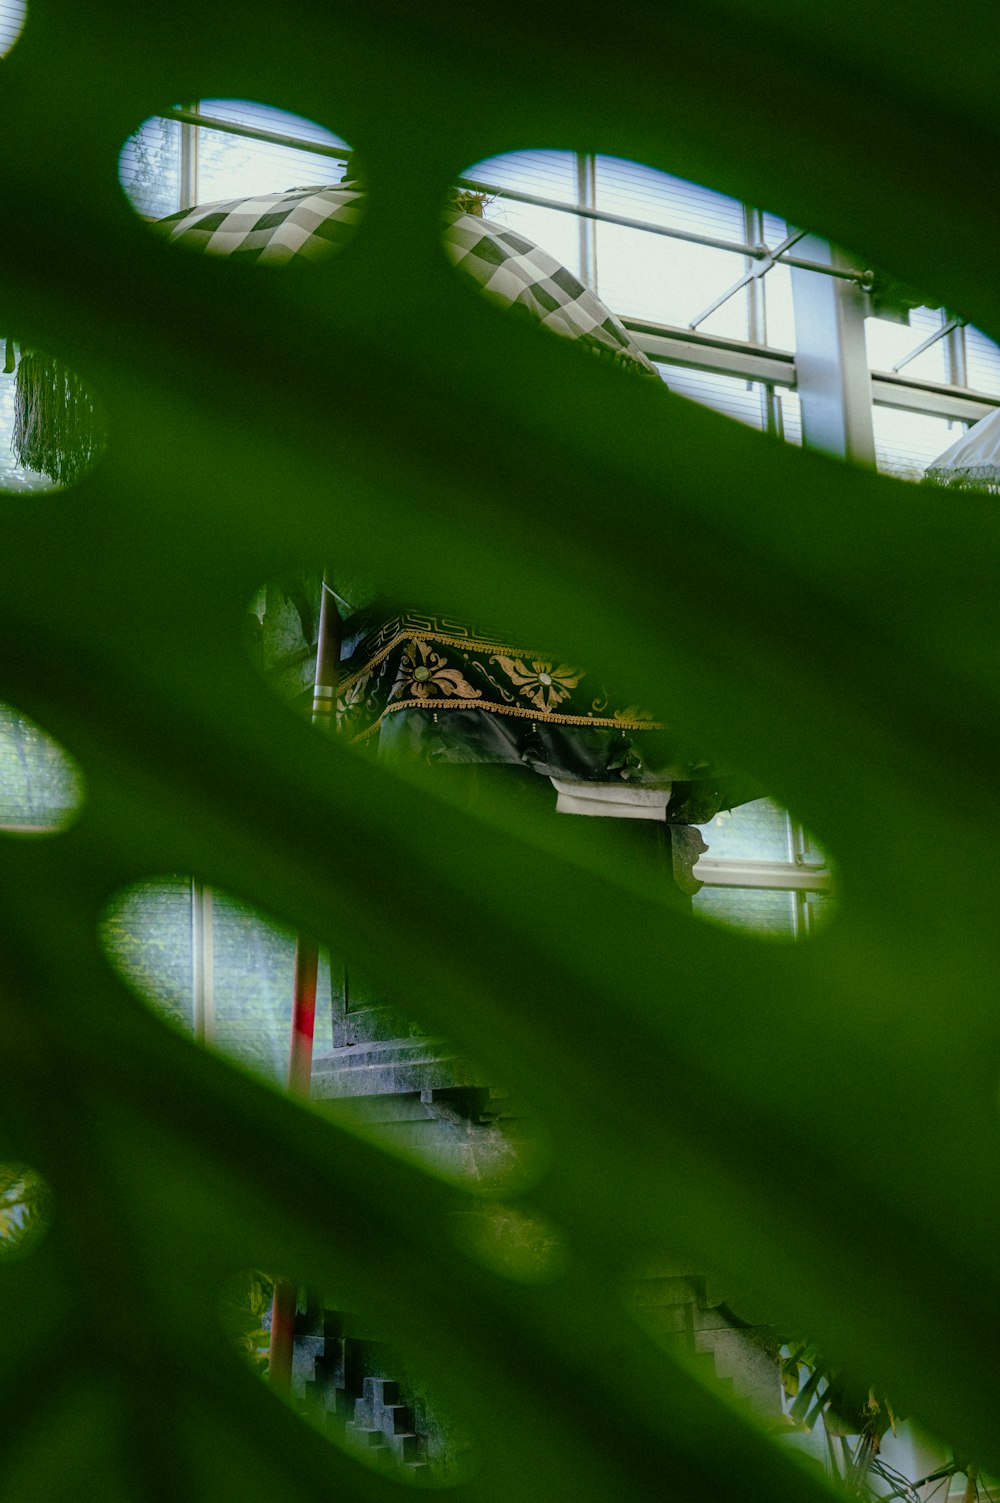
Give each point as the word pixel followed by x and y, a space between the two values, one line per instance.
pixel 12 14
pixel 639 192
pixel 254 965
pixel 149 168
pixel 40 785
pixel 780 316
pixel 889 342
pixel 759 831
pixel 147 933
pixel 549 174
pixel 791 416
pixel 235 167
pixel 907 442
pixel 756 910
pixel 266 117
pixel 982 359
pixel 642 275
pixel 738 399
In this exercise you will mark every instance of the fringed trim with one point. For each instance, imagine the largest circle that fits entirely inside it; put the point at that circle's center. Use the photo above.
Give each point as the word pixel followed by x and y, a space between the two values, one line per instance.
pixel 9 357
pixel 58 428
pixel 984 478
pixel 468 201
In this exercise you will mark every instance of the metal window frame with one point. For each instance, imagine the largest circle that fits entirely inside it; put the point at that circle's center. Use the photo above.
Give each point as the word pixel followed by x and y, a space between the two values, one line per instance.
pixel 777 876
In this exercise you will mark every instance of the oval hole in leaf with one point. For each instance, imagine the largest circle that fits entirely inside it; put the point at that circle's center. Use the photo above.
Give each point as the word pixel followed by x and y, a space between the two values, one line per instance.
pixel 224 974
pixel 25 1209
pixel 53 429
pixel 763 874
pixel 41 786
pixel 252 182
pixel 347 1382
pixel 582 244
pixel 213 966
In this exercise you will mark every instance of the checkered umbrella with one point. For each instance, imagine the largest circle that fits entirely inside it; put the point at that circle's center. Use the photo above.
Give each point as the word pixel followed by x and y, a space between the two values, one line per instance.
pixel 304 223
pixel 973 463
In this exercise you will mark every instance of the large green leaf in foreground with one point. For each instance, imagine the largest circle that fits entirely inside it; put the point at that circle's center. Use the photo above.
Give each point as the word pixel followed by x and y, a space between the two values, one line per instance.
pixel 831 633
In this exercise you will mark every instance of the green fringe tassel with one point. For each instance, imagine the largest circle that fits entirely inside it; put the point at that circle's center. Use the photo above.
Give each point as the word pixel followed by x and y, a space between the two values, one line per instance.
pixel 58 428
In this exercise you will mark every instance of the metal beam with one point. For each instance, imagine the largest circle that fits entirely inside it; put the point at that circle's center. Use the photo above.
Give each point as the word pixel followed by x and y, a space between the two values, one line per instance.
pixel 729 357
pixel 781 876
pixel 586 192
pixel 752 278
pixel 936 400
pixel 932 339
pixel 202 962
pixel 256 133
pixel 831 359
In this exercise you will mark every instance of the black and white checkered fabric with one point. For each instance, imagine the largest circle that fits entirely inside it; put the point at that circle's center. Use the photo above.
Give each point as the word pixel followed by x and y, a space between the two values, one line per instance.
pixel 272 228
pixel 516 273
pixel 307 223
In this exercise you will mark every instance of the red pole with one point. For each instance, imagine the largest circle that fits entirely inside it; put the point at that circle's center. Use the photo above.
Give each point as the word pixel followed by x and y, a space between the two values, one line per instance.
pixel 300 1052
pixel 279 1365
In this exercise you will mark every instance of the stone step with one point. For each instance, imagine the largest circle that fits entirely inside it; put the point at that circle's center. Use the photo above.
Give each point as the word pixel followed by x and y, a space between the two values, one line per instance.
pixel 398 1419
pixel 362 1436
pixel 406 1448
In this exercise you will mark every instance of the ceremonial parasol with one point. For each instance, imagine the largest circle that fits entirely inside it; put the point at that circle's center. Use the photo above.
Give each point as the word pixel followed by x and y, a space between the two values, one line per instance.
pixel 973 463
pixel 305 223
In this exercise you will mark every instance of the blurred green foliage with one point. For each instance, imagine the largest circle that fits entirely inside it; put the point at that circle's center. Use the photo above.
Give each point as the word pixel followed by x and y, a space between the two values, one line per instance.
pixel 372 410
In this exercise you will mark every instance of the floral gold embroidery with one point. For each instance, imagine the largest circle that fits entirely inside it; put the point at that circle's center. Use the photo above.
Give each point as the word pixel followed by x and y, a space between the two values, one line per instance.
pixel 424 674
pixel 542 684
pixel 351 701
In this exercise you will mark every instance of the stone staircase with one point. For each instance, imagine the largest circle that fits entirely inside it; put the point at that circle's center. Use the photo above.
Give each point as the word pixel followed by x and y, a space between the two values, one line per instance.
pixel 384 1423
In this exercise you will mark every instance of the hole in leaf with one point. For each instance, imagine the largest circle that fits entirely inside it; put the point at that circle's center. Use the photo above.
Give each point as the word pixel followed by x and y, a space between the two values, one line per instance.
pixel 214 966
pixel 25 1209
pixel 530 257
pixel 229 177
pixel 763 874
pixel 346 1380
pixel 726 1349
pixel 52 425
pixel 245 1311
pixel 493 726
pixel 224 974
pixel 41 787
pixel 12 18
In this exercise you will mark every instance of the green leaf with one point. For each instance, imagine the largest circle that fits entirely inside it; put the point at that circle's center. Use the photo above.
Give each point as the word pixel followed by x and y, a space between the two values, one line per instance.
pixel 830 632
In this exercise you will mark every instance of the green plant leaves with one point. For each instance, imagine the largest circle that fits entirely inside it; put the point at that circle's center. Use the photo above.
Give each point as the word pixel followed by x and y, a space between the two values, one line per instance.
pixel 372 411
